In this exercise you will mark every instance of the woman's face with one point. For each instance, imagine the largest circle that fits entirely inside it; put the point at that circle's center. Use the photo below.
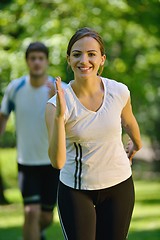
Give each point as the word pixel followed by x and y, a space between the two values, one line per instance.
pixel 86 58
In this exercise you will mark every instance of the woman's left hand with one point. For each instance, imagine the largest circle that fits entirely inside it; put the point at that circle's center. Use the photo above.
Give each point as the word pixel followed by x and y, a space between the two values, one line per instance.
pixel 60 99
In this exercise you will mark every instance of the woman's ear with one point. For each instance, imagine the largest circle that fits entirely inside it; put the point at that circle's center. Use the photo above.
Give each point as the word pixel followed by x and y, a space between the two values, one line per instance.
pixel 103 60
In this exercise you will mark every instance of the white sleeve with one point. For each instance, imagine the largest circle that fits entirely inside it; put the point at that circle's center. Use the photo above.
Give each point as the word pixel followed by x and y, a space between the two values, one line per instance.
pixel 124 93
pixel 52 100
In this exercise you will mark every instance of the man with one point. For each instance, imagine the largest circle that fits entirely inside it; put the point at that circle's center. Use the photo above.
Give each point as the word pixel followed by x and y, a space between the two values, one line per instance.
pixel 27 97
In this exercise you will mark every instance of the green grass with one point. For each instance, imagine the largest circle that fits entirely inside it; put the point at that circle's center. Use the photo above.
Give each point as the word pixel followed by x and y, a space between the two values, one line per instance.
pixel 11 216
pixel 145 223
pixel 11 220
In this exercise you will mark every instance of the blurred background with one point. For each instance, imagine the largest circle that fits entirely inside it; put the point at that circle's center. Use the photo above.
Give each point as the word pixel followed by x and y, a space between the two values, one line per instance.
pixel 131 34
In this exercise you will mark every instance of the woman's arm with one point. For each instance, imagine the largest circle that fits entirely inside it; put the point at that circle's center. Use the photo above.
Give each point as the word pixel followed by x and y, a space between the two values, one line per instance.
pixel 56 129
pixel 130 125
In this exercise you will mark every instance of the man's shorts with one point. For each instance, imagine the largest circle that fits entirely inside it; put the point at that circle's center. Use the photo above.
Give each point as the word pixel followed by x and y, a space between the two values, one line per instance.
pixel 38 185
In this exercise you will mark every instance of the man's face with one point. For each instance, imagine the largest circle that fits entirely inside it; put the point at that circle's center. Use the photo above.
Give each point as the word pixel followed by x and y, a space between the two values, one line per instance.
pixel 37 63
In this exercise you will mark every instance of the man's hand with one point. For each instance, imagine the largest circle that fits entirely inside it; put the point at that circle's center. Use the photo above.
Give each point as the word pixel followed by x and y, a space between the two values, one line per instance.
pixel 52 90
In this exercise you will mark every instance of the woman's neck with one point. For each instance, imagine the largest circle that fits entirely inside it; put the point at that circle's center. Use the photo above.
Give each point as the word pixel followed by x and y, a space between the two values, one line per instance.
pixel 87 86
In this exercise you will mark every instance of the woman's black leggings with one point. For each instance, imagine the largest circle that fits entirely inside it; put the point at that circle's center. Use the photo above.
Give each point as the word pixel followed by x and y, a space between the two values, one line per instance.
pixel 96 214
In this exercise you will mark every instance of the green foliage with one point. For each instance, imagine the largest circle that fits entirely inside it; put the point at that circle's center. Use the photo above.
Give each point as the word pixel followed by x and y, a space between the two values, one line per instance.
pixel 8 167
pixel 130 30
pixel 8 140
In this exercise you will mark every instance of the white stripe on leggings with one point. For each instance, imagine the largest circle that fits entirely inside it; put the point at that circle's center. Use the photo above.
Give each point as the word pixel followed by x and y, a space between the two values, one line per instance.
pixel 63 229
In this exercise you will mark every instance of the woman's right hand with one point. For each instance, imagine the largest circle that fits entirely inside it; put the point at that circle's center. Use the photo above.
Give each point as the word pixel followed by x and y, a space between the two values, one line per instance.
pixel 60 100
pixel 130 150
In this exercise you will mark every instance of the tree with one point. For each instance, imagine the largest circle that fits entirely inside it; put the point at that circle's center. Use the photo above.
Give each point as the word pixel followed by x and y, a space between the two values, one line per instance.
pixel 130 30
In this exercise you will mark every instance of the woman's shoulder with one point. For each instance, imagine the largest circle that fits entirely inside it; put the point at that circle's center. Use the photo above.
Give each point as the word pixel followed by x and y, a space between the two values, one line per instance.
pixel 114 85
pixel 113 82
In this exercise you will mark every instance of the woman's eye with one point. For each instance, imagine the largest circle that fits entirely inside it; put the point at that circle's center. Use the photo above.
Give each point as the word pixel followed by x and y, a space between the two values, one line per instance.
pixel 91 54
pixel 76 55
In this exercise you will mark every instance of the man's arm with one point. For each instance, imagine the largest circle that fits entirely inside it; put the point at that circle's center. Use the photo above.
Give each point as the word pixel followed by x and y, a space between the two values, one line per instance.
pixel 3 122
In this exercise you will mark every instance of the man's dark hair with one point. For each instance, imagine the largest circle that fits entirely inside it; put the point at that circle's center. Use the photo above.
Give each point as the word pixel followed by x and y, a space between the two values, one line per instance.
pixel 37 47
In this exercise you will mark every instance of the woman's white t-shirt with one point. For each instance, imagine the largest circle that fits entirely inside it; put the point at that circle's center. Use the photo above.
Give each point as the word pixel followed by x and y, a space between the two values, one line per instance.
pixel 95 155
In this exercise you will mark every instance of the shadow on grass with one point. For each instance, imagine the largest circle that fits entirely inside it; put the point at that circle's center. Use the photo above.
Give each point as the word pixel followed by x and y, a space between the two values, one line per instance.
pixel 55 232
pixel 15 233
pixel 145 235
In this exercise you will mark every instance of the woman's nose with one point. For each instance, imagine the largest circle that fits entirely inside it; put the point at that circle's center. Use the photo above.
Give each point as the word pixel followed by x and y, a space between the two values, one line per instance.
pixel 84 58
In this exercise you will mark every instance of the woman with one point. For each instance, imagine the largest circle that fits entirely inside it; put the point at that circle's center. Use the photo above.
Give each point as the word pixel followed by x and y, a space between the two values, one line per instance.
pixel 96 193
